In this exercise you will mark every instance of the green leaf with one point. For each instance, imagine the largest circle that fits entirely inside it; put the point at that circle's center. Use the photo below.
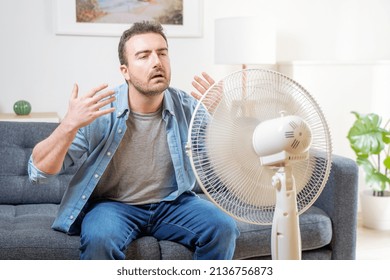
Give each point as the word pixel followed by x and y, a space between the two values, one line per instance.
pixel 386 137
pixel 366 137
pixel 386 162
pixel 373 178
pixel 377 181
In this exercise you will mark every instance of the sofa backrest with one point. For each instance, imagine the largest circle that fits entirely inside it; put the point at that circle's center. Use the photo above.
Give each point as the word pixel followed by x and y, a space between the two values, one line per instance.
pixel 17 139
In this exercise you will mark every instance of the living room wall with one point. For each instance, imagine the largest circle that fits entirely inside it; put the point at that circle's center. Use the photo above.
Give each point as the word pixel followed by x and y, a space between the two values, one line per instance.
pixel 317 41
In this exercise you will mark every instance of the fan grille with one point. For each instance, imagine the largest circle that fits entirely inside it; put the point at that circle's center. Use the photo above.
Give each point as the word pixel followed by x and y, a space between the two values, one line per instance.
pixel 226 166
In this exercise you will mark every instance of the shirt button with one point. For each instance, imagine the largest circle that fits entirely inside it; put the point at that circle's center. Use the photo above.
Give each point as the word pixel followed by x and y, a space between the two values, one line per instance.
pixel 96 175
pixel 71 217
pixel 83 197
pixel 108 153
pixel 119 113
pixel 119 130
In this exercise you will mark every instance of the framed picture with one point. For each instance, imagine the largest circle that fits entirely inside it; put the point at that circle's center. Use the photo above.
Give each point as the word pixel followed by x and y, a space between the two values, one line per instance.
pixel 180 18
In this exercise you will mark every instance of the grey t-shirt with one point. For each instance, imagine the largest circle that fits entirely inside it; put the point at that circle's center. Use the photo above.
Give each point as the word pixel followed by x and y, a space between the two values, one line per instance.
pixel 141 170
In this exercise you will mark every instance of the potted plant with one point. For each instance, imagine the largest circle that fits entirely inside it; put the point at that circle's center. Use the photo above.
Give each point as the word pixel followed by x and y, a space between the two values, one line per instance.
pixel 371 143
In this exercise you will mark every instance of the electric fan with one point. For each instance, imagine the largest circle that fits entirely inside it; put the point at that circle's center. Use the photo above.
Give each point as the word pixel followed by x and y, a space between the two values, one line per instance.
pixel 260 148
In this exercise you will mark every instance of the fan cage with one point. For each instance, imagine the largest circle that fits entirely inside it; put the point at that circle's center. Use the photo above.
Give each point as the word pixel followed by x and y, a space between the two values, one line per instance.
pixel 220 143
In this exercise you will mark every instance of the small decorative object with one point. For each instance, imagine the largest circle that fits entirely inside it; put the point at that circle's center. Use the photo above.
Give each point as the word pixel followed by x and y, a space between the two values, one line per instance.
pixel 22 107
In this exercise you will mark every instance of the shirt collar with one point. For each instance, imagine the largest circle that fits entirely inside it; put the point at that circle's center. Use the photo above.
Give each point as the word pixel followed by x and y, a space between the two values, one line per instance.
pixel 168 105
pixel 122 97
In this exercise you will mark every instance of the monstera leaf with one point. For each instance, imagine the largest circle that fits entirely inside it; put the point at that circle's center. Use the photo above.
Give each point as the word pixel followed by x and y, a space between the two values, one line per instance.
pixel 366 136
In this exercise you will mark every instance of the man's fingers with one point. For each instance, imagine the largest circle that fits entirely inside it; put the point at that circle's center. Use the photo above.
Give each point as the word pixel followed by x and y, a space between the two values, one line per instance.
pixel 201 82
pixel 103 103
pixel 96 90
pixel 196 95
pixel 100 113
pixel 199 87
pixel 208 78
pixel 100 97
pixel 75 91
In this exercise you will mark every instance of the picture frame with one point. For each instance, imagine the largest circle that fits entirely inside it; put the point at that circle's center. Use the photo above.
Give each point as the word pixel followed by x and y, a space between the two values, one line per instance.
pixel 66 24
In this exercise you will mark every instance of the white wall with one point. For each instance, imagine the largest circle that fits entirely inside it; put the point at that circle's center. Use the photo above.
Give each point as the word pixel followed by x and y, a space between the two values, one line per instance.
pixel 322 35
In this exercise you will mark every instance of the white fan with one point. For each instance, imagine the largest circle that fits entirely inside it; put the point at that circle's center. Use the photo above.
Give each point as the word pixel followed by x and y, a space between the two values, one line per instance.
pixel 261 150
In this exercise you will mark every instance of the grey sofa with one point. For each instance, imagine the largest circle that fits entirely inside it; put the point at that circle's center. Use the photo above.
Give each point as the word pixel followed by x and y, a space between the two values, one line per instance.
pixel 328 228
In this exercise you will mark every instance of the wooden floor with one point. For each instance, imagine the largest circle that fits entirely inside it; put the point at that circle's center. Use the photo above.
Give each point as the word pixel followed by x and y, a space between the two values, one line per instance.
pixel 372 244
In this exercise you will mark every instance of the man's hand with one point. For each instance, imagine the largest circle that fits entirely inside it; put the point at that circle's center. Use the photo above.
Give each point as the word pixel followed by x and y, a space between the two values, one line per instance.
pixel 85 109
pixel 49 154
pixel 201 85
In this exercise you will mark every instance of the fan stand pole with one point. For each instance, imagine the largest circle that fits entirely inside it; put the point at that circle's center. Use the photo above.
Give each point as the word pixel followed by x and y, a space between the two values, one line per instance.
pixel 244 93
pixel 286 237
pixel 244 78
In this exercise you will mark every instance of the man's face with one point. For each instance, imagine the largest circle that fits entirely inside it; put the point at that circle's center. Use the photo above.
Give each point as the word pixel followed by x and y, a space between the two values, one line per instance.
pixel 148 69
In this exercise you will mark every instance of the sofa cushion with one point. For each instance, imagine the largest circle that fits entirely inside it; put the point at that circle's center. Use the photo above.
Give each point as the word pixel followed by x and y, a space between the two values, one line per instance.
pixel 15 149
pixel 25 233
pixel 144 248
pixel 16 189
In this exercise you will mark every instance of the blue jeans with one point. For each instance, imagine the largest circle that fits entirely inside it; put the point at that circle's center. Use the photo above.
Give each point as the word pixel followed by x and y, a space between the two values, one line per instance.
pixel 109 227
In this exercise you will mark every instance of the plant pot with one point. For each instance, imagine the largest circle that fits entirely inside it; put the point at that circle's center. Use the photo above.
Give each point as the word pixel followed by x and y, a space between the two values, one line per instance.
pixel 375 210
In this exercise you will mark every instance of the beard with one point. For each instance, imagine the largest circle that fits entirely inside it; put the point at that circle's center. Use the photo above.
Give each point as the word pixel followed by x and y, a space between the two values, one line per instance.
pixel 157 81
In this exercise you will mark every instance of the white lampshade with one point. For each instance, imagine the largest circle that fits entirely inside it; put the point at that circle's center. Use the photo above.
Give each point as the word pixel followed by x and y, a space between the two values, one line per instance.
pixel 244 40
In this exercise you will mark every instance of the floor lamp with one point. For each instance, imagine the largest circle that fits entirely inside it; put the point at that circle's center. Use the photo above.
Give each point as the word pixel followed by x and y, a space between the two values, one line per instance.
pixel 245 40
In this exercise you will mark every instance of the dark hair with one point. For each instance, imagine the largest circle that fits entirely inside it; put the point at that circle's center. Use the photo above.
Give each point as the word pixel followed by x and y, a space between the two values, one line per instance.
pixel 137 29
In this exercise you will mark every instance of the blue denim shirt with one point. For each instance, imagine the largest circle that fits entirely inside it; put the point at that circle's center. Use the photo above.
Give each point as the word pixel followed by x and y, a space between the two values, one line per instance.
pixel 96 144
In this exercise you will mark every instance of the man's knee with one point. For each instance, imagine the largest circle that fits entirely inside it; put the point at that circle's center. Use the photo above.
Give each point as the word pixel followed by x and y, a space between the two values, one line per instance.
pixel 226 227
pixel 99 245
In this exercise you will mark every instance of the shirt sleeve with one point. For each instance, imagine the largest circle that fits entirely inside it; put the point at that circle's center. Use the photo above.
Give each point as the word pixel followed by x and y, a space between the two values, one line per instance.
pixel 37 176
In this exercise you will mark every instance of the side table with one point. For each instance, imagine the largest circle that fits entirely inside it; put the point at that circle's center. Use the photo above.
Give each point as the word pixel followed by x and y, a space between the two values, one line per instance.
pixel 32 117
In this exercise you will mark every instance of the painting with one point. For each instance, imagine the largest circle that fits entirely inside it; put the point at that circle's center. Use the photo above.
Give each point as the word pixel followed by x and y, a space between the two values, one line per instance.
pixel 180 18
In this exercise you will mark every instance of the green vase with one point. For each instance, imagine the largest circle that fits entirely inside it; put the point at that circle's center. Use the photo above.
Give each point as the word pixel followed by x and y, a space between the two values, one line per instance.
pixel 22 107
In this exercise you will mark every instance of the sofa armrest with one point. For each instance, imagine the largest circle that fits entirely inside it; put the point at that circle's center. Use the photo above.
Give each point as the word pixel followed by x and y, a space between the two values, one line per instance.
pixel 339 199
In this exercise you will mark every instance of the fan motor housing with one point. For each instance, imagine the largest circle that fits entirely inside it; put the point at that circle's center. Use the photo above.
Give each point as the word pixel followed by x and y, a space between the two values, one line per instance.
pixel 290 134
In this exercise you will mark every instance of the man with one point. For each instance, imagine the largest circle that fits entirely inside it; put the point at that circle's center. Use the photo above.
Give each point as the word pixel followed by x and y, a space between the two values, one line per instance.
pixel 135 178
